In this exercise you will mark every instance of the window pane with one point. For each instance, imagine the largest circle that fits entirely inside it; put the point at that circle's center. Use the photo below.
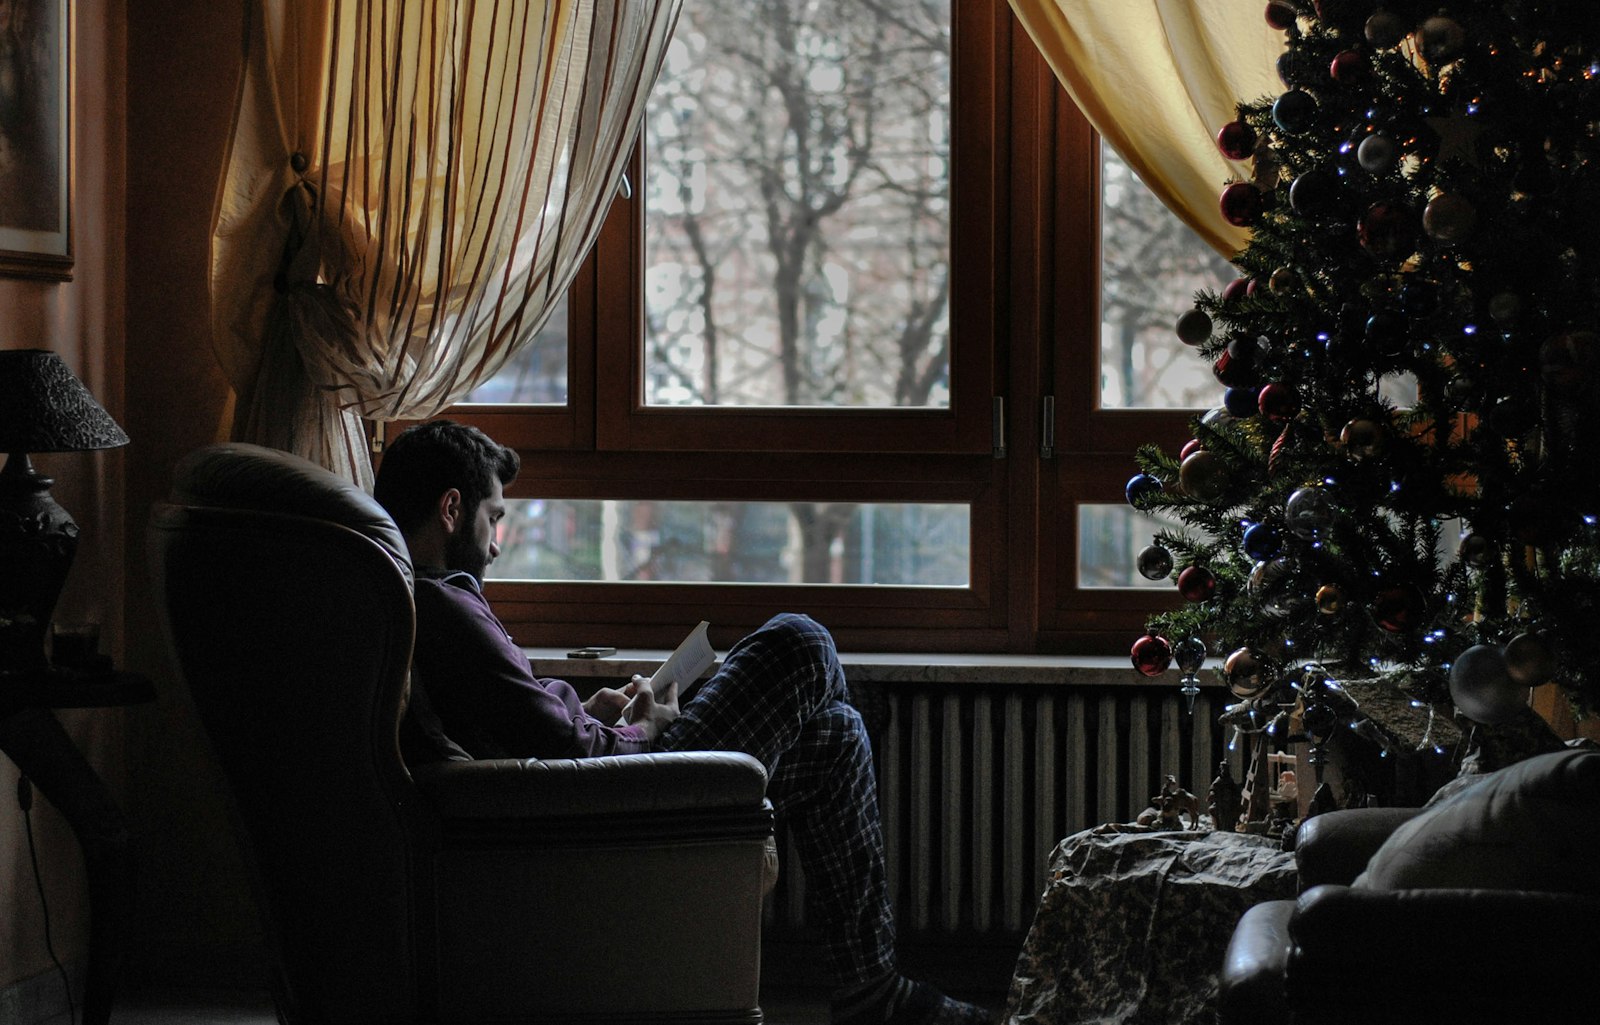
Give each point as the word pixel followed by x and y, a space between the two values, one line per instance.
pixel 734 542
pixel 1109 540
pixel 1152 264
pixel 537 374
pixel 797 206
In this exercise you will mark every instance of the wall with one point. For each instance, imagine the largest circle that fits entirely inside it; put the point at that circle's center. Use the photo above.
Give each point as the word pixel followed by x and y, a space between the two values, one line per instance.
pixel 82 321
pixel 196 923
pixel 155 88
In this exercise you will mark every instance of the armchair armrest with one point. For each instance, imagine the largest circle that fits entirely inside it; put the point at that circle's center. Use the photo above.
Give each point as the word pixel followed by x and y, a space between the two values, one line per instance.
pixel 574 788
pixel 1334 847
pixel 1485 955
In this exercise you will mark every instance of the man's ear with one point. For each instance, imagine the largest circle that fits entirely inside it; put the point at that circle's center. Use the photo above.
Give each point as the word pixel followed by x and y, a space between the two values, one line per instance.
pixel 449 510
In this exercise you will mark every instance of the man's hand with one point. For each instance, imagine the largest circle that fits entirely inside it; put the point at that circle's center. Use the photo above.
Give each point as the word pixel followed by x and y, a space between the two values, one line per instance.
pixel 651 710
pixel 606 704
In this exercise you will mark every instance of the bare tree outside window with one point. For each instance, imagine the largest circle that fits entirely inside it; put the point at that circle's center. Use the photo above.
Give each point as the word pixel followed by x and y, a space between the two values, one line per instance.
pixel 1151 264
pixel 797 190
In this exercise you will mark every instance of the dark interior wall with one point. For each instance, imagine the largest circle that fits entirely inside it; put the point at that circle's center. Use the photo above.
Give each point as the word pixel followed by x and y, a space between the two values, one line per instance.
pixel 80 320
pixel 196 922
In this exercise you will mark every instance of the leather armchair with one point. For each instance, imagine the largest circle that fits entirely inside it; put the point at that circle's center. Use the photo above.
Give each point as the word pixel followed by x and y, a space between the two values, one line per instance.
pixel 1408 954
pixel 621 889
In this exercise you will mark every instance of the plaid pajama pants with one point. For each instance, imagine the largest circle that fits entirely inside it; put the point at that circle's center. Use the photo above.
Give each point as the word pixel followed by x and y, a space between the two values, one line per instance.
pixel 781 696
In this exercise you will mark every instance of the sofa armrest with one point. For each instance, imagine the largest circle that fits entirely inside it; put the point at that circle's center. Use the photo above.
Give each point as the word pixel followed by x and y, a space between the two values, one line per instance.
pixel 1446 955
pixel 648 785
pixel 1334 847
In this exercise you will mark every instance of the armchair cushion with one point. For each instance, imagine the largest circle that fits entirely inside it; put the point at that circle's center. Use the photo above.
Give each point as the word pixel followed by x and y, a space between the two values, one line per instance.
pixel 1530 826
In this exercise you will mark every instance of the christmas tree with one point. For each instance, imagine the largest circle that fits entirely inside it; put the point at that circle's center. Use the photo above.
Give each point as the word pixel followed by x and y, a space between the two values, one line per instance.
pixel 1397 481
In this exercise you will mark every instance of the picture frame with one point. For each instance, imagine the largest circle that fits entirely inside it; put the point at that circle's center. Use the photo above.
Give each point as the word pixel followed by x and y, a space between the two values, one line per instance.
pixel 36 158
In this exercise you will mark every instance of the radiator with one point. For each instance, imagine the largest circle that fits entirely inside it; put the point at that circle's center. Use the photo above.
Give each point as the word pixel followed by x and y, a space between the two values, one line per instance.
pixel 977 784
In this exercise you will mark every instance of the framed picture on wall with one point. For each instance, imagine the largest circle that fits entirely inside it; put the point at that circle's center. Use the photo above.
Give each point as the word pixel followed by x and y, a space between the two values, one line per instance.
pixel 36 138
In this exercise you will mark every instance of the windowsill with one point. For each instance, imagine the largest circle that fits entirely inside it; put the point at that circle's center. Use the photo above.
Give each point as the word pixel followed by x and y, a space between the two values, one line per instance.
pixel 878 667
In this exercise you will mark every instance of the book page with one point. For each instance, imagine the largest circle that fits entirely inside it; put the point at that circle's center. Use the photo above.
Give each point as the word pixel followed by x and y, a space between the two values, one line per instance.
pixel 691 658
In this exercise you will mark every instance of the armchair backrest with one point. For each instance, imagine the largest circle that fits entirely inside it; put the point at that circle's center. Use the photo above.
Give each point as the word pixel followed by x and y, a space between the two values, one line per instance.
pixel 286 597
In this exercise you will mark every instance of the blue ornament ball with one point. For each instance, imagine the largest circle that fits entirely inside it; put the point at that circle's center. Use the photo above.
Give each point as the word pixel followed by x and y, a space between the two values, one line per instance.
pixel 1141 486
pixel 1263 541
pixel 1240 401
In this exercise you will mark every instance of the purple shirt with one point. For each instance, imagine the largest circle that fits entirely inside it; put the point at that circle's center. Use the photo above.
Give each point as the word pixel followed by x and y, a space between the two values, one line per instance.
pixel 484 692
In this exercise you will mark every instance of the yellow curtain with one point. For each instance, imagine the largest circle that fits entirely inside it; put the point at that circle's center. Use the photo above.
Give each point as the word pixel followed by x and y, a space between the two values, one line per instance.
pixel 410 187
pixel 1156 79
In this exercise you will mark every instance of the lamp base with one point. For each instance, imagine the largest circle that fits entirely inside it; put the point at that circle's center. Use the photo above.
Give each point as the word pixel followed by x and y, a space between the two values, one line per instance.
pixel 38 541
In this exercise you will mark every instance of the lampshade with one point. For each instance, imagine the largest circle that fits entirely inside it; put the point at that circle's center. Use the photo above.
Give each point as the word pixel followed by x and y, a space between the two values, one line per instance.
pixel 43 408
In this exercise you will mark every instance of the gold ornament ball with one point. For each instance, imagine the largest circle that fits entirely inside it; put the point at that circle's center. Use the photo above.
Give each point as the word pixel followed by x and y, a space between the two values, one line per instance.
pixel 1330 599
pixel 1245 671
pixel 1203 475
pixel 1529 661
pixel 1282 281
pixel 1449 218
pixel 1362 438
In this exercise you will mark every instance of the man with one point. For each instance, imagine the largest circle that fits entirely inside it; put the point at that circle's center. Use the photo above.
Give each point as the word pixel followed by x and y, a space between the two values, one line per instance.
pixel 780 696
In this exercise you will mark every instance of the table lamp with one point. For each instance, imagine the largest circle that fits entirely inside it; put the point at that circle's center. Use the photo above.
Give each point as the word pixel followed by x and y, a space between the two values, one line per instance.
pixel 43 408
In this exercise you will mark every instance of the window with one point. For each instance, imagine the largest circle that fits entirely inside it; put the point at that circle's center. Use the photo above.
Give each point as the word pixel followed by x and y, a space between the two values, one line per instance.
pixel 809 364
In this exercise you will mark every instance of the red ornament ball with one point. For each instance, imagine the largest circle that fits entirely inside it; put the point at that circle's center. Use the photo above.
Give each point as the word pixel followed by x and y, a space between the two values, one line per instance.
pixel 1242 205
pixel 1280 16
pixel 1190 447
pixel 1397 608
pixel 1236 140
pixel 1569 362
pixel 1235 289
pixel 1196 583
pixel 1151 655
pixel 1278 402
pixel 1348 67
pixel 1388 230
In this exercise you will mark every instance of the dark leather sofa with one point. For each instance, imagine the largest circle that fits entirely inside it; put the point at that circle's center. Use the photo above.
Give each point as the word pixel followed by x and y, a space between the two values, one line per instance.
pixel 1484 908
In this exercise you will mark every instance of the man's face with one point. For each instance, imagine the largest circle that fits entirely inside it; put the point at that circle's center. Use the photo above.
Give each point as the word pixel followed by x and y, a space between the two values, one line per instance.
pixel 476 543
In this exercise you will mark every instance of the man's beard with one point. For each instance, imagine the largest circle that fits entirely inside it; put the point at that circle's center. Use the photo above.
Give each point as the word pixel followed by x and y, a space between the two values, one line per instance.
pixel 462 555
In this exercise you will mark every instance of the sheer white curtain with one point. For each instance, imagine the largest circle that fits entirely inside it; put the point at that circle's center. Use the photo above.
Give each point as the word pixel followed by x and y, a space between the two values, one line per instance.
pixel 1156 79
pixel 410 187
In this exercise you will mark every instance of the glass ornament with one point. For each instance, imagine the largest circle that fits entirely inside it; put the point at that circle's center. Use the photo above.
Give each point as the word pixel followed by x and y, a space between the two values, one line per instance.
pixel 1309 512
pixel 1482 689
pixel 1196 583
pixel 1190 654
pixel 1294 111
pixel 1151 655
pixel 1194 327
pixel 1153 562
pixel 1377 153
pixel 1203 475
pixel 1236 140
pixel 1529 661
pixel 1362 438
pixel 1245 673
pixel 1242 205
pixel 1141 486
pixel 1278 401
pixel 1262 541
pixel 1449 218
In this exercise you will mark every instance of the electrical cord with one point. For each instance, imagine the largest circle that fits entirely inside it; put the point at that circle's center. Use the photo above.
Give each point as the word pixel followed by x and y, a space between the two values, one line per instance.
pixel 25 801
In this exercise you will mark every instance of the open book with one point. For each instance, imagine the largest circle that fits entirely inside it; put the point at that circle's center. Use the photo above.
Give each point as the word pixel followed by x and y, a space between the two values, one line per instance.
pixel 684 666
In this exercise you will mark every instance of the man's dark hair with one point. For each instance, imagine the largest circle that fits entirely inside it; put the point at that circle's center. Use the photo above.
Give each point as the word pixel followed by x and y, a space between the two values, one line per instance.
pixel 429 459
